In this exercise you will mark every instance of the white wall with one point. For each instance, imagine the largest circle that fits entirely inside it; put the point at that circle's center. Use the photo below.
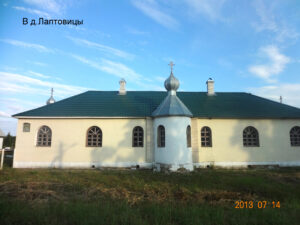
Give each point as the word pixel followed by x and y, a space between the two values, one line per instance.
pixel 227 142
pixel 1 142
pixel 68 147
pixel 175 153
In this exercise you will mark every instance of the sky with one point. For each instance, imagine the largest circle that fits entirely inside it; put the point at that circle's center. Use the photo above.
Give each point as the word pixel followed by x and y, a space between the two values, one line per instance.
pixel 245 46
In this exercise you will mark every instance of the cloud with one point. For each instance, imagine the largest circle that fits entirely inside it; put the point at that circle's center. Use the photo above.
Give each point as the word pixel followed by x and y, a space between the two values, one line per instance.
pixel 211 9
pixel 288 91
pixel 102 48
pixel 38 74
pixel 151 9
pixel 269 22
pixel 277 63
pixel 9 68
pixel 36 63
pixel 42 75
pixel 16 103
pixel 160 79
pixel 21 85
pixel 135 31
pixel 37 47
pixel 10 106
pixel 18 83
pixel 8 125
pixel 32 11
pixel 119 70
pixel 114 68
pixel 267 19
pixel 49 5
pixel 4 114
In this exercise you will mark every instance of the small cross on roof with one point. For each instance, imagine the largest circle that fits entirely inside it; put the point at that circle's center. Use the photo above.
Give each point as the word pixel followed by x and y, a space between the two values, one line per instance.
pixel 171 64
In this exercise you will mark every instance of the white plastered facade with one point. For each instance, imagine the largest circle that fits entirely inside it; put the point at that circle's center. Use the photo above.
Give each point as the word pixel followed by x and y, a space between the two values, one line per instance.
pixel 175 154
pixel 68 148
pixel 1 142
pixel 227 143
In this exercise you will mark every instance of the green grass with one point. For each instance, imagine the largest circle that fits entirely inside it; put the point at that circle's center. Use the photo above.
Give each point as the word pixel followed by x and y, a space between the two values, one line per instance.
pixel 54 196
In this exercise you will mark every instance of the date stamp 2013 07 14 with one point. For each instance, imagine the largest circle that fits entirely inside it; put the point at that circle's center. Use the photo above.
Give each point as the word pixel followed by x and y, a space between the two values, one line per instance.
pixel 259 204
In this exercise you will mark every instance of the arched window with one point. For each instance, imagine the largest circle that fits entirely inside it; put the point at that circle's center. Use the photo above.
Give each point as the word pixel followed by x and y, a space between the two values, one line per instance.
pixel 161 136
pixel 295 136
pixel 94 137
pixel 44 136
pixel 206 137
pixel 26 127
pixel 137 137
pixel 250 137
pixel 188 136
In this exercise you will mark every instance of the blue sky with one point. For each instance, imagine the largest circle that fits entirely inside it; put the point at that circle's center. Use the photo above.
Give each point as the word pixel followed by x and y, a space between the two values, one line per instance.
pixel 245 46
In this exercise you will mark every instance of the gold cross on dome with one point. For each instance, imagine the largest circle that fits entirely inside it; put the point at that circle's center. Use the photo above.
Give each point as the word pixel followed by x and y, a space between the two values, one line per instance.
pixel 171 64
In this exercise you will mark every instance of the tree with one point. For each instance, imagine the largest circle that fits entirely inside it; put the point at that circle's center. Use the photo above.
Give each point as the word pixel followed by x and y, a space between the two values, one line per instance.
pixel 9 141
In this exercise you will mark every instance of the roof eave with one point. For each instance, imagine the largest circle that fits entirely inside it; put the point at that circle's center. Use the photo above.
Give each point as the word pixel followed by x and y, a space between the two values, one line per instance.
pixel 78 117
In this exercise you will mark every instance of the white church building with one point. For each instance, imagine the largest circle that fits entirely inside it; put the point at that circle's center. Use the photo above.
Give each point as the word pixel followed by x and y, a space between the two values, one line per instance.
pixel 155 129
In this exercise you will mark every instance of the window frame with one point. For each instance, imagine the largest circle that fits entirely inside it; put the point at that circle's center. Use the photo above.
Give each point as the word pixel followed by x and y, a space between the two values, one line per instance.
pixel 208 135
pixel 161 136
pixel 24 127
pixel 139 131
pixel 39 143
pixel 256 141
pixel 188 136
pixel 295 141
pixel 87 138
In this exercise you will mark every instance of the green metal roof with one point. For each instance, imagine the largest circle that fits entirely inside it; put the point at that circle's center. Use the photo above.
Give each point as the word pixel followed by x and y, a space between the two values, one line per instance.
pixel 143 103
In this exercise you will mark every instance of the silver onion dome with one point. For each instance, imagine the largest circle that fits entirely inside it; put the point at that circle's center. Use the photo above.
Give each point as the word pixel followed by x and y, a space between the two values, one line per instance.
pixel 171 105
pixel 171 84
pixel 51 99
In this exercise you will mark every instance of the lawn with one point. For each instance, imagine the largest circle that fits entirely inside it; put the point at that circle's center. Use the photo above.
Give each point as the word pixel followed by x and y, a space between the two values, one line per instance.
pixel 206 196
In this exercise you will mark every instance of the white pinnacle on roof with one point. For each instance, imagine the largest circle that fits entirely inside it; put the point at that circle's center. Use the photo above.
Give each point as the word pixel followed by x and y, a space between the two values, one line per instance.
pixel 51 99
pixel 122 90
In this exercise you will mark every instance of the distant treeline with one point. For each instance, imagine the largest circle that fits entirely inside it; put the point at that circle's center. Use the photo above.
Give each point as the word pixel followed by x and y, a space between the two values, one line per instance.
pixel 9 141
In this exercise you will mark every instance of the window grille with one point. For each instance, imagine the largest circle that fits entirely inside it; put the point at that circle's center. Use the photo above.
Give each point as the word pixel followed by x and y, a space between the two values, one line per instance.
pixel 94 137
pixel 295 136
pixel 44 136
pixel 138 137
pixel 250 137
pixel 206 139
